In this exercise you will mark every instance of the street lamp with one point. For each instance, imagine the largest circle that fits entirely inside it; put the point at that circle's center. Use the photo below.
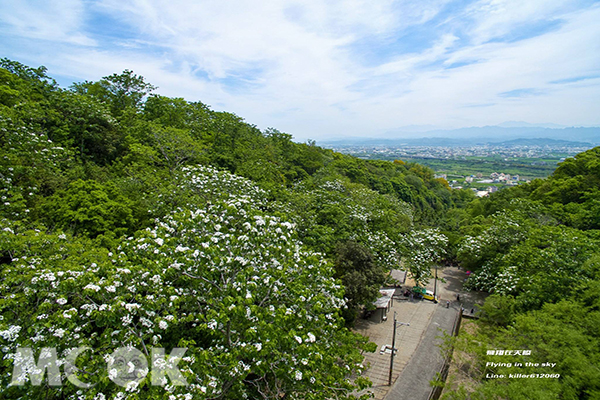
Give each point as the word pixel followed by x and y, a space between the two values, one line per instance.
pixel 394 348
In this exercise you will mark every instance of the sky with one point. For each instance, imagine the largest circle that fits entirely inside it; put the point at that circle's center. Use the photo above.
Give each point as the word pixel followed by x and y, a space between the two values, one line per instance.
pixel 321 69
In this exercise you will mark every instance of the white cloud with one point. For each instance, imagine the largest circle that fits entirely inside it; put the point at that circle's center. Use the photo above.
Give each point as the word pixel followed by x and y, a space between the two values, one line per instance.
pixel 447 97
pixel 43 20
pixel 497 18
pixel 294 65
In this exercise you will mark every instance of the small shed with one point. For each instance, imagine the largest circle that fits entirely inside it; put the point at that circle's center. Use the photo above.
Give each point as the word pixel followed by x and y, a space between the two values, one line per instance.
pixel 384 303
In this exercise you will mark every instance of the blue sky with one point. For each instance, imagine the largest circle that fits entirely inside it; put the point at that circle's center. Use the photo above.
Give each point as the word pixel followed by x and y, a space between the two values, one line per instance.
pixel 329 69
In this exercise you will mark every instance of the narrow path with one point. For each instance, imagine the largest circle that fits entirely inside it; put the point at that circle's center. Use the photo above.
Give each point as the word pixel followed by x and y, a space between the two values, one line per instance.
pixel 427 360
pixel 413 382
pixel 408 338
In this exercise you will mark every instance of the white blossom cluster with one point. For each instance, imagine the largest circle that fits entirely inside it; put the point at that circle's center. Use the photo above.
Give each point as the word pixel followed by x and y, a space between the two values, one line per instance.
pixel 364 212
pixel 423 249
pixel 334 185
pixel 485 255
pixel 504 232
pixel 385 250
pixel 361 201
pixel 536 259
pixel 230 282
pixel 216 184
pixel 489 279
pixel 425 246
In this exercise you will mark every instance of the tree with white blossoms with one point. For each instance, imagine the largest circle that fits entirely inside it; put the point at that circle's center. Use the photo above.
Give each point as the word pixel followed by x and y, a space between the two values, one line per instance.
pixel 355 226
pixel 258 314
pixel 506 230
pixel 423 248
pixel 544 264
pixel 385 250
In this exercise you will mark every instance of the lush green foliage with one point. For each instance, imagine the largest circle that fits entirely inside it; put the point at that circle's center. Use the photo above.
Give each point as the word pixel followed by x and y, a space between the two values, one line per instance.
pixel 535 247
pixel 129 219
pixel 571 194
pixel 225 274
pixel 359 274
pixel 133 218
pixel 424 248
pixel 526 253
pixel 565 334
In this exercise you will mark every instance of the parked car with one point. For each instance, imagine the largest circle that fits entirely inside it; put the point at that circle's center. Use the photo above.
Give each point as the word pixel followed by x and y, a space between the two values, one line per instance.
pixel 422 293
pixel 428 295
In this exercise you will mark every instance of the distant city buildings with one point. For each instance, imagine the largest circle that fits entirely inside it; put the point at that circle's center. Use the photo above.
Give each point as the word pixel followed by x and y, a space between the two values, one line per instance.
pixel 514 158
pixel 540 154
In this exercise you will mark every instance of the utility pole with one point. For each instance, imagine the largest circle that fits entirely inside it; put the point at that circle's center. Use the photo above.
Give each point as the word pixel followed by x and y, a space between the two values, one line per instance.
pixel 394 349
pixel 435 285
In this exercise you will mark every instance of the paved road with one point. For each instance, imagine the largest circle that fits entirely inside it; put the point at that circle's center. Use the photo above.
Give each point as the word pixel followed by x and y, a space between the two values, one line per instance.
pixel 427 360
pixel 408 338
pixel 418 358
pixel 413 382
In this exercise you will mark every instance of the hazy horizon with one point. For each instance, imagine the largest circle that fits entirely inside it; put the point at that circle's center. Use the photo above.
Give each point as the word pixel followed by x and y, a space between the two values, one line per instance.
pixel 336 69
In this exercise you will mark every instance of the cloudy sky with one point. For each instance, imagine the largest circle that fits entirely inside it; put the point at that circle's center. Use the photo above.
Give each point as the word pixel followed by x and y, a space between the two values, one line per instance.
pixel 327 69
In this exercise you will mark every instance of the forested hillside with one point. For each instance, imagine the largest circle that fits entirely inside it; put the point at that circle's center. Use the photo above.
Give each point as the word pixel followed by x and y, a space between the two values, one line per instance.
pixel 130 218
pixel 535 247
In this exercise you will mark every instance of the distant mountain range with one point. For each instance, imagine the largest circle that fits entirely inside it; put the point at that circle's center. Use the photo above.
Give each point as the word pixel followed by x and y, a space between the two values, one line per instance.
pixel 543 142
pixel 498 135
pixel 521 124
